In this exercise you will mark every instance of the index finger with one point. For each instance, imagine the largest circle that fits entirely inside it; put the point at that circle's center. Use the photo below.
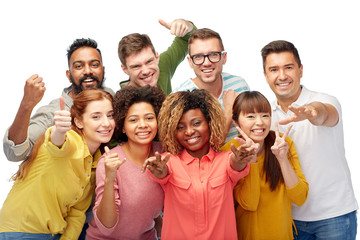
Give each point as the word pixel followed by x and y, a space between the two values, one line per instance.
pixel 62 103
pixel 277 130
pixel 242 133
pixel 165 24
pixel 287 132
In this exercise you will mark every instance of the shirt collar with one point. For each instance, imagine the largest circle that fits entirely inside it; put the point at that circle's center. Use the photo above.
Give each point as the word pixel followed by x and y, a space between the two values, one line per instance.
pixel 187 158
pixel 302 99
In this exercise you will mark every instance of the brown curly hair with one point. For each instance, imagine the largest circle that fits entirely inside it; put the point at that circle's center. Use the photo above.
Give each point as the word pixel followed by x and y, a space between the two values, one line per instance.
pixel 126 97
pixel 176 104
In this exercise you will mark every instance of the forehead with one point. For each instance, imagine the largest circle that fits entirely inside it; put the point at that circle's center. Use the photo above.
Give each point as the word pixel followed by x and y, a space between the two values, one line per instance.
pixel 138 57
pixel 140 108
pixel 280 59
pixel 192 113
pixel 204 46
pixel 103 105
pixel 85 54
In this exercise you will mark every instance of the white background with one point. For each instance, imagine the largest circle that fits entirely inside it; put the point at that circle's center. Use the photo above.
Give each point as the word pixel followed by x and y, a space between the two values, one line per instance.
pixel 36 34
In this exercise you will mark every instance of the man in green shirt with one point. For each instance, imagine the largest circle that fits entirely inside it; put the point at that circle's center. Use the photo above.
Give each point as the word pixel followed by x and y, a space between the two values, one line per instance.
pixel 143 64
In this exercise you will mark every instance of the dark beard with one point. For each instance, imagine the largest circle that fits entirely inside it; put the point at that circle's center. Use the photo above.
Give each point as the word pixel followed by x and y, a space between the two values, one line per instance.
pixel 78 88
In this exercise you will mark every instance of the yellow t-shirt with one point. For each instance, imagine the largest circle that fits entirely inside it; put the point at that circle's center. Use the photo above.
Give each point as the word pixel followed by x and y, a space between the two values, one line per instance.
pixel 57 191
pixel 263 214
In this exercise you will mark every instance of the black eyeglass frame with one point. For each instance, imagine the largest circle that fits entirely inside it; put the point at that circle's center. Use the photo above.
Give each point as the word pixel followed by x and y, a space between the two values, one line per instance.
pixel 206 55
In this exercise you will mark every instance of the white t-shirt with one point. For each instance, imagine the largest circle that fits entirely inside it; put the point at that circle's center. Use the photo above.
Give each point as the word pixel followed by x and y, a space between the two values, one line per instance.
pixel 322 157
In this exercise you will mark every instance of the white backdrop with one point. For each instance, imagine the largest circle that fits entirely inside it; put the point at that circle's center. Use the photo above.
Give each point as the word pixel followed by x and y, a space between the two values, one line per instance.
pixel 35 35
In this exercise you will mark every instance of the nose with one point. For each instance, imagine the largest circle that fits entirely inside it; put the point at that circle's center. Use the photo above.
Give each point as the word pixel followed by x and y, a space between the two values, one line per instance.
pixel 282 75
pixel 105 122
pixel 142 123
pixel 259 120
pixel 87 69
pixel 189 131
pixel 207 61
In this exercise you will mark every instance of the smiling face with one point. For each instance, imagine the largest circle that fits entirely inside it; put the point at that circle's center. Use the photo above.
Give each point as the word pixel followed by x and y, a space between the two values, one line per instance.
pixel 142 68
pixel 193 133
pixel 85 69
pixel 97 123
pixel 208 72
pixel 283 75
pixel 255 125
pixel 140 125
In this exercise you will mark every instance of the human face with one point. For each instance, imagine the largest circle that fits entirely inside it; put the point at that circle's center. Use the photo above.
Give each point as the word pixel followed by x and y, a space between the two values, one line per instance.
pixel 283 75
pixel 193 133
pixel 140 125
pixel 142 68
pixel 85 69
pixel 255 125
pixel 208 72
pixel 97 123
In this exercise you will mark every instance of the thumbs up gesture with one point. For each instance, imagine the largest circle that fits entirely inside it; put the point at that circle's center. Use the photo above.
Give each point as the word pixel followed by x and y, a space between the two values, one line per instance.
pixel 62 122
pixel 178 27
pixel 112 162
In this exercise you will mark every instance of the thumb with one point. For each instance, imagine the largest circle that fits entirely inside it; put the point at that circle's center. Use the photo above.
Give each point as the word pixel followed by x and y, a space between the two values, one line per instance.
pixel 107 150
pixel 62 103
pixel 165 24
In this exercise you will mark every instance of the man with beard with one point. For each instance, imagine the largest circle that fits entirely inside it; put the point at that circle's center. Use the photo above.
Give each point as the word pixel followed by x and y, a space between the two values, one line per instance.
pixel 86 70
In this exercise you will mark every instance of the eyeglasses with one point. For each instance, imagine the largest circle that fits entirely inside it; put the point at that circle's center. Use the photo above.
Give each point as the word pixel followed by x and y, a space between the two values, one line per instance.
pixel 213 57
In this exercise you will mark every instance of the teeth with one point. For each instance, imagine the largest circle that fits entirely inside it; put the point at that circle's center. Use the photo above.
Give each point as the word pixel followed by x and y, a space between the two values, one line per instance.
pixel 143 133
pixel 283 84
pixel 88 80
pixel 258 131
pixel 207 71
pixel 192 140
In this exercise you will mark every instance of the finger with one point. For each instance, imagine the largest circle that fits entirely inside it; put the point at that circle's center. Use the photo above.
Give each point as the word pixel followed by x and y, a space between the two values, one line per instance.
pixel 242 133
pixel 107 150
pixel 145 165
pixel 62 103
pixel 167 157
pixel 165 24
pixel 287 132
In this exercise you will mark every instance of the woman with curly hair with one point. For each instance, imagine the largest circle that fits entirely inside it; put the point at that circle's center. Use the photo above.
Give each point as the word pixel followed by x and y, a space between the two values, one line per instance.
pixel 198 180
pixel 275 182
pixel 128 203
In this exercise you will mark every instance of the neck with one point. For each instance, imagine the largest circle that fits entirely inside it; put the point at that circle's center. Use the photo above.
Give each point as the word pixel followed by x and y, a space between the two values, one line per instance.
pixel 215 88
pixel 138 153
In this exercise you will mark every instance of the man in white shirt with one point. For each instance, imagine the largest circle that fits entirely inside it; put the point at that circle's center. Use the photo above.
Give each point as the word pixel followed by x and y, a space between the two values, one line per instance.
pixel 330 209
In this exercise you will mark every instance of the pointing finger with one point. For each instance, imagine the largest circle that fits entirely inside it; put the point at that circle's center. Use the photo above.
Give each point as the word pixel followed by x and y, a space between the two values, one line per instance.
pixel 165 24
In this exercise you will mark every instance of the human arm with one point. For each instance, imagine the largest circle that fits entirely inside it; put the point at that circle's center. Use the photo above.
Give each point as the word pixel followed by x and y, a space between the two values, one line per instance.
pixel 319 114
pixel 158 225
pixel 280 150
pixel 157 165
pixel 33 92
pixel 106 211
pixel 171 58
pixel 228 101
pixel 178 27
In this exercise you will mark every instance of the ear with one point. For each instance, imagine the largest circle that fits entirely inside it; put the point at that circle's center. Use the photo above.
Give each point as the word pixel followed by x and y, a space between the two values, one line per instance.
pixel 157 57
pixel 79 124
pixel 68 75
pixel 123 67
pixel 301 71
pixel 190 61
pixel 224 57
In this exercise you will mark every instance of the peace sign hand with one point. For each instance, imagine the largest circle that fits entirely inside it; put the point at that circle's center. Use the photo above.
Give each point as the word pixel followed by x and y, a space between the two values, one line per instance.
pixel 245 153
pixel 280 147
pixel 157 165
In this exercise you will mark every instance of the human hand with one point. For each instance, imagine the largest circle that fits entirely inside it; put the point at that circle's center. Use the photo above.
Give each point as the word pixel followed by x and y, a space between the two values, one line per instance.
pixel 111 162
pixel 300 113
pixel 280 147
pixel 62 122
pixel 157 165
pixel 246 152
pixel 178 27
pixel 229 98
pixel 34 90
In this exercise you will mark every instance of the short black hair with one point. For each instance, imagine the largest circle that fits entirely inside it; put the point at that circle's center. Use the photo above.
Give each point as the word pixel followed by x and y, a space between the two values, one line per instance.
pixel 79 43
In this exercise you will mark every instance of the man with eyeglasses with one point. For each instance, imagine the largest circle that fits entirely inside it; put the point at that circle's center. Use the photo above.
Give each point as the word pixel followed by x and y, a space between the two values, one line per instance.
pixel 206 58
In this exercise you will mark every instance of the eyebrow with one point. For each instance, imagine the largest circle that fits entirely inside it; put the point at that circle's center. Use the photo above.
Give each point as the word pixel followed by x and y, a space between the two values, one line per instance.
pixel 81 61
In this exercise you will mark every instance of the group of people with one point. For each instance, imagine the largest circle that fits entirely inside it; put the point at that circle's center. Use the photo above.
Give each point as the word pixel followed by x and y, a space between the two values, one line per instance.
pixel 207 160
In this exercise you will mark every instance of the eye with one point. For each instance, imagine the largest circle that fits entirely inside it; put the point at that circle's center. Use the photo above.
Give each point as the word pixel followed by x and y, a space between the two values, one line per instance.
pixel 111 115
pixel 150 118
pixel 266 115
pixel 95 65
pixel 198 56
pixel 197 123
pixel 250 116
pixel 77 66
pixel 180 127
pixel 150 61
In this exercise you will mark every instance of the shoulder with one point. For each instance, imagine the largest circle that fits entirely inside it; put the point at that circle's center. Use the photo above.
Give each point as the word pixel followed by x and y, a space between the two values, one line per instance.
pixel 188 84
pixel 237 83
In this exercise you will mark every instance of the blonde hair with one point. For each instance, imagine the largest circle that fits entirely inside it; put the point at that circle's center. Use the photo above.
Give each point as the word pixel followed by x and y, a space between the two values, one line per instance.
pixel 176 104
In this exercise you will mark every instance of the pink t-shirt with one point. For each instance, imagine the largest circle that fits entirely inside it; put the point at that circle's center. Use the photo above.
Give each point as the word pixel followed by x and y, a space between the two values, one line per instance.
pixel 199 197
pixel 138 201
